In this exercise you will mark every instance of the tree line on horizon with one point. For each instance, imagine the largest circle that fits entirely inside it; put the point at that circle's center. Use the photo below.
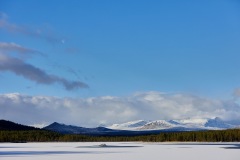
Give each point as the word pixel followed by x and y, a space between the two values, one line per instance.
pixel 230 135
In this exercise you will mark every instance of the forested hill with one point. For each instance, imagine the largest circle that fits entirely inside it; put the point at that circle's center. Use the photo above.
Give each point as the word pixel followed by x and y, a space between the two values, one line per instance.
pixel 11 126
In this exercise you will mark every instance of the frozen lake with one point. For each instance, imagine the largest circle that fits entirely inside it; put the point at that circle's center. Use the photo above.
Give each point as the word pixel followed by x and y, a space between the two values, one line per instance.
pixel 119 151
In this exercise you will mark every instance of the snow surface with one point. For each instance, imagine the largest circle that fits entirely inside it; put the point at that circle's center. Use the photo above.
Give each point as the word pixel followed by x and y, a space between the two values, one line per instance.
pixel 119 151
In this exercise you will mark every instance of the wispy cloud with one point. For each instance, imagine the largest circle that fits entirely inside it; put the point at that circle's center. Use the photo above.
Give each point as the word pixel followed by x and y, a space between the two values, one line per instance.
pixel 68 69
pixel 96 110
pixel 9 47
pixel 39 33
pixel 28 71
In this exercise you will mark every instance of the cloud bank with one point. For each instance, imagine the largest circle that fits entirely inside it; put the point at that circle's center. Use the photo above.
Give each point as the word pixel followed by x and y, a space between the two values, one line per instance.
pixel 106 110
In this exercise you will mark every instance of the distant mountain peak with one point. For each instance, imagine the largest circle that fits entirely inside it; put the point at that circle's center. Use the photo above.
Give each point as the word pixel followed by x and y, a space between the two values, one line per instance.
pixel 54 124
pixel 217 123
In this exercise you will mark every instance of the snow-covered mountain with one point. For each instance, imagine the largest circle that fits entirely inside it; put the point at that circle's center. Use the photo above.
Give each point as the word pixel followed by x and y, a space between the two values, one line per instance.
pixel 218 123
pixel 159 124
pixel 133 125
pixel 191 124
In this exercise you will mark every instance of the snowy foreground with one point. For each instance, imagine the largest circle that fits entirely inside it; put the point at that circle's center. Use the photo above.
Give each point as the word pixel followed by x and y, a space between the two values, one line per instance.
pixel 119 151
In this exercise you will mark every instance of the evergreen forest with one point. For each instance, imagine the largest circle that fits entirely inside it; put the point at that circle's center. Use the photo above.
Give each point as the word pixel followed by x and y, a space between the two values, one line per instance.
pixel 231 135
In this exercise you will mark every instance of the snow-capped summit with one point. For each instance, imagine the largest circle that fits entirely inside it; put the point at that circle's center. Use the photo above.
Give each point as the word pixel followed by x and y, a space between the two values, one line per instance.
pixel 158 124
pixel 133 125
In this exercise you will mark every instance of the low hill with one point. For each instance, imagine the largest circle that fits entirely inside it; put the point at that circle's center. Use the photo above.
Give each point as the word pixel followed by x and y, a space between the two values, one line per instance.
pixel 11 126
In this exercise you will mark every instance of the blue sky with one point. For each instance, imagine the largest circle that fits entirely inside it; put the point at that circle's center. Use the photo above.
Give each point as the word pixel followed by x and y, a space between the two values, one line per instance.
pixel 83 49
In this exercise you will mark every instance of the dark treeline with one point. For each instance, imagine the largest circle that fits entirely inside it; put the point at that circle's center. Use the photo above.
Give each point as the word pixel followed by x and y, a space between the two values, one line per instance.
pixel 29 136
pixel 231 135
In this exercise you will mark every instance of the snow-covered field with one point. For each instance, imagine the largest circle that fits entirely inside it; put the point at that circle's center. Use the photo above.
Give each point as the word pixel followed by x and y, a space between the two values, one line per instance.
pixel 119 151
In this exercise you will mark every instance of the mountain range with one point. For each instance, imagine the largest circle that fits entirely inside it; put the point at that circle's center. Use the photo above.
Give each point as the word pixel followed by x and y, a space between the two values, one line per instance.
pixel 139 127
pixel 142 127
pixel 191 124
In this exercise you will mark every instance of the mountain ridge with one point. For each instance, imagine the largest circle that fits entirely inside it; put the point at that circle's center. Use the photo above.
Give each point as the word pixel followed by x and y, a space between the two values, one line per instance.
pixel 207 123
pixel 70 129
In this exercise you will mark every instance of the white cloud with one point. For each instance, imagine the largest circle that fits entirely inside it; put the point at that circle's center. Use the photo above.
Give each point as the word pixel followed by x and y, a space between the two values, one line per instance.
pixel 96 110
